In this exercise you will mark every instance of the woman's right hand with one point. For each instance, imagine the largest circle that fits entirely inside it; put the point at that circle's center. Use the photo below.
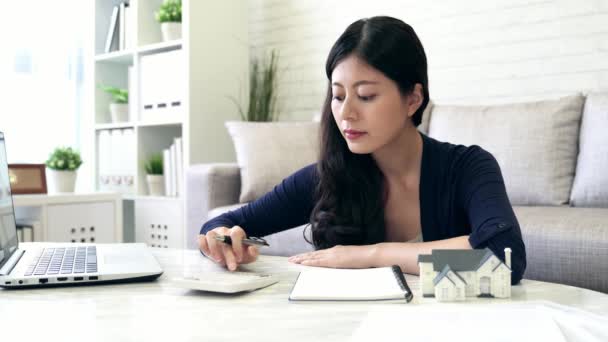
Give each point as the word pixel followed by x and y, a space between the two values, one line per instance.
pixel 224 254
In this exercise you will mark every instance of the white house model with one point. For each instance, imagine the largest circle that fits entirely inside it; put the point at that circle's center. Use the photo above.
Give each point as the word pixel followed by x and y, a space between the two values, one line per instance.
pixel 451 275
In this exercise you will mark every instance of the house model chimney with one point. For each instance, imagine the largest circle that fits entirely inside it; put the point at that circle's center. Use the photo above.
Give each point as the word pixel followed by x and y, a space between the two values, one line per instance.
pixel 508 257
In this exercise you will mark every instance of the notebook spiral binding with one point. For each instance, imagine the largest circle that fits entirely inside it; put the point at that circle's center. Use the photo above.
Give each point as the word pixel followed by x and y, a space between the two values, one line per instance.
pixel 402 283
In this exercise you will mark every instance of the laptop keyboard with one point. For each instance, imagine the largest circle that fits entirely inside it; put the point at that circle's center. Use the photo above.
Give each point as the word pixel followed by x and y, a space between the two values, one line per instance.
pixel 64 261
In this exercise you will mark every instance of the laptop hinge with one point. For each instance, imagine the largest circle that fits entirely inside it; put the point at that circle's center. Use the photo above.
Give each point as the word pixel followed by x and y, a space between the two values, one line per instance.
pixel 11 262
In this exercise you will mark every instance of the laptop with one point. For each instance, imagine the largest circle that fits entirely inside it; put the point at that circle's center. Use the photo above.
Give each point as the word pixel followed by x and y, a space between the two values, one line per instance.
pixel 42 264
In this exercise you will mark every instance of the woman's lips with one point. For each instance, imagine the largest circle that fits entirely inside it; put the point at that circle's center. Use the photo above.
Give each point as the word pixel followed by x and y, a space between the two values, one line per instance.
pixel 352 134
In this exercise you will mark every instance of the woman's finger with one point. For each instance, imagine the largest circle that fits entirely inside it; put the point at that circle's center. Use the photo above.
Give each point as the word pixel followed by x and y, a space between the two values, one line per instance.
pixel 202 244
pixel 251 254
pixel 310 256
pixel 215 247
pixel 229 257
pixel 237 234
pixel 312 262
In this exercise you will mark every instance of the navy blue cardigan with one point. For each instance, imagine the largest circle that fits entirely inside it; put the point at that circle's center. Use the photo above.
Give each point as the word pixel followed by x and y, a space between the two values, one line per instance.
pixel 462 192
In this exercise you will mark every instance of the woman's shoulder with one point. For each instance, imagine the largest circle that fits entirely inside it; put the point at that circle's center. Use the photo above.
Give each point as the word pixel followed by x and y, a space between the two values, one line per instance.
pixel 300 183
pixel 457 156
pixel 308 171
pixel 303 177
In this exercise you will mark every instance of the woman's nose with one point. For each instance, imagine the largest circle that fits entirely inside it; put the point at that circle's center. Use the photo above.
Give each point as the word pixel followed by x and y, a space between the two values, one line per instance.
pixel 348 111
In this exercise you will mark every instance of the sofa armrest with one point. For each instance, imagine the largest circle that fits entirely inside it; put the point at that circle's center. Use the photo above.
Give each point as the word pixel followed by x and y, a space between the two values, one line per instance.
pixel 208 186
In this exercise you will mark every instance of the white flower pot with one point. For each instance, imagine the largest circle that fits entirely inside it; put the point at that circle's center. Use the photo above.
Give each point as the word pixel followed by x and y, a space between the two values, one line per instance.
pixel 61 181
pixel 156 185
pixel 171 31
pixel 119 112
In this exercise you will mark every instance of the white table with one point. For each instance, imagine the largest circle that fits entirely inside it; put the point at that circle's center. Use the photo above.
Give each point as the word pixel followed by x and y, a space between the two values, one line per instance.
pixel 159 311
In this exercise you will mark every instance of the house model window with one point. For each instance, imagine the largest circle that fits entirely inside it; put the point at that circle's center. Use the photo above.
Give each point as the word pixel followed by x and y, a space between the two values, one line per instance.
pixel 452 275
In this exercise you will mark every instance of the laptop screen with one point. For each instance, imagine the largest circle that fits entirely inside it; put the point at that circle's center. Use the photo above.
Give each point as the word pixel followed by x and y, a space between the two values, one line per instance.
pixel 8 230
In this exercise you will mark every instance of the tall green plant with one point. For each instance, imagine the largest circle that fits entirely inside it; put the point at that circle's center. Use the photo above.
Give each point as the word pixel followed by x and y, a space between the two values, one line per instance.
pixel 262 91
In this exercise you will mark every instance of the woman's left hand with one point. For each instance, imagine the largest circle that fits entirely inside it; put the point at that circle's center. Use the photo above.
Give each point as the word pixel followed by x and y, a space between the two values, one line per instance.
pixel 337 257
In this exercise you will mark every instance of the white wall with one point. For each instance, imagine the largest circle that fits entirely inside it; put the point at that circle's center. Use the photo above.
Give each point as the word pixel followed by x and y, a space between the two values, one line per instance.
pixel 479 51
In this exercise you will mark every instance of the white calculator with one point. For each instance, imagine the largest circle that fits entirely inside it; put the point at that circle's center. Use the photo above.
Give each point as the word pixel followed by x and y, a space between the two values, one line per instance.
pixel 226 282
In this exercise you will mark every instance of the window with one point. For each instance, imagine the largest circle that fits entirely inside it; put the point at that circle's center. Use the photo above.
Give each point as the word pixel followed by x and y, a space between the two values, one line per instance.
pixel 42 72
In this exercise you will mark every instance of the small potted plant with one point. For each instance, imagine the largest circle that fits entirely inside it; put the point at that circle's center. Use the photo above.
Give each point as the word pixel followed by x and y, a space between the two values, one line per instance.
pixel 119 107
pixel 61 166
pixel 154 177
pixel 169 15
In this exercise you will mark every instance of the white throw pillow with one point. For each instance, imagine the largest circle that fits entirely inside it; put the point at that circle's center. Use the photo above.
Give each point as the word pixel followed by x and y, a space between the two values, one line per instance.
pixel 268 152
pixel 590 187
pixel 534 143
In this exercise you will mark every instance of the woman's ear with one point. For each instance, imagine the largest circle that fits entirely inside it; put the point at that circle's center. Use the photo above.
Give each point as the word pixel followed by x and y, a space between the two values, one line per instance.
pixel 414 100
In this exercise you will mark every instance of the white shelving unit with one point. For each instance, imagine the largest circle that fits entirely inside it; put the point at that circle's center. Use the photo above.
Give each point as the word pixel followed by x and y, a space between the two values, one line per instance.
pixel 215 59
pixel 74 217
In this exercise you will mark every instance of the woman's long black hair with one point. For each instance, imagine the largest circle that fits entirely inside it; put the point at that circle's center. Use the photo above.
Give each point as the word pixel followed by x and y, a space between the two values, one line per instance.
pixel 349 207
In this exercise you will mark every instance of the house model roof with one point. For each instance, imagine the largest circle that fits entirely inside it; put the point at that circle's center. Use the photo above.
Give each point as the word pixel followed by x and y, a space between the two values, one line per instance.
pixel 444 273
pixel 458 259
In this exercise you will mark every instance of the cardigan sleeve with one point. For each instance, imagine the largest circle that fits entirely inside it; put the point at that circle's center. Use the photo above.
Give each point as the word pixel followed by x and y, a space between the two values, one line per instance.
pixel 484 197
pixel 288 205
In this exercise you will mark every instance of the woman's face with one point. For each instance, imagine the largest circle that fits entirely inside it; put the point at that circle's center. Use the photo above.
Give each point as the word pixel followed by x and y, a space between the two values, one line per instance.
pixel 368 107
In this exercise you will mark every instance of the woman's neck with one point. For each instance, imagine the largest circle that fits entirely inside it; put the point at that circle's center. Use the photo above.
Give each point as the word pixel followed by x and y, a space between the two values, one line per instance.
pixel 400 159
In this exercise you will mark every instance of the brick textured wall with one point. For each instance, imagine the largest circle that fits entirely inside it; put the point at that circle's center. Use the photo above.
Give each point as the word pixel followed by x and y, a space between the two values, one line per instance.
pixel 479 51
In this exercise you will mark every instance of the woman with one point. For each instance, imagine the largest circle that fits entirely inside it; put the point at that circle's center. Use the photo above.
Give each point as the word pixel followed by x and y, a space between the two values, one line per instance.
pixel 380 187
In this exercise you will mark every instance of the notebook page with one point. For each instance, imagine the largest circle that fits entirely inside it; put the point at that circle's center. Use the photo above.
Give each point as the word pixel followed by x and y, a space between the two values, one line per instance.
pixel 347 284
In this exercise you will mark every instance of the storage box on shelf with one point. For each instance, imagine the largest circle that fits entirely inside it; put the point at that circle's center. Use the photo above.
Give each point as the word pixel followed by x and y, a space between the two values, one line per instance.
pixel 161 86
pixel 178 90
pixel 159 222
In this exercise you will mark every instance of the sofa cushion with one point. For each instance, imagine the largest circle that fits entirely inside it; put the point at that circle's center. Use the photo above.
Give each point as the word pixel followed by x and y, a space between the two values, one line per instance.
pixel 286 243
pixel 590 187
pixel 267 152
pixel 566 245
pixel 215 212
pixel 534 143
pixel 208 186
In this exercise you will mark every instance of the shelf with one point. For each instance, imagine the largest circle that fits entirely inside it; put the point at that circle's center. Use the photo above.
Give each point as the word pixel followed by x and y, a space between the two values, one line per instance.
pixel 117 57
pixel 160 47
pixel 159 123
pixel 118 125
pixel 114 125
pixel 60 198
pixel 200 88
pixel 132 197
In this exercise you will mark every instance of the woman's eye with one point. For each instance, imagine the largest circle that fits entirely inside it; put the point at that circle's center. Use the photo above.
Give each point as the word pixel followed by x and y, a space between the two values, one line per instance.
pixel 367 98
pixel 337 98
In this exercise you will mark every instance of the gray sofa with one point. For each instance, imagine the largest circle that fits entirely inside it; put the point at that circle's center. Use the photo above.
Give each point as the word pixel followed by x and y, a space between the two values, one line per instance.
pixel 554 159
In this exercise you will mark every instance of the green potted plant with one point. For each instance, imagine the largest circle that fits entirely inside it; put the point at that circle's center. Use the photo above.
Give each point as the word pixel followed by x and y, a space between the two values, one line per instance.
pixel 262 101
pixel 262 106
pixel 154 175
pixel 119 107
pixel 169 15
pixel 62 165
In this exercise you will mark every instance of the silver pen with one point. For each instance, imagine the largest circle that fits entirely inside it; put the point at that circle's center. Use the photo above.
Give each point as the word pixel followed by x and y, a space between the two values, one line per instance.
pixel 251 241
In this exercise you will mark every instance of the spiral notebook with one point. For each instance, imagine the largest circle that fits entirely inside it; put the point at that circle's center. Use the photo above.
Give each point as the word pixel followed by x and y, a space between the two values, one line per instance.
pixel 367 284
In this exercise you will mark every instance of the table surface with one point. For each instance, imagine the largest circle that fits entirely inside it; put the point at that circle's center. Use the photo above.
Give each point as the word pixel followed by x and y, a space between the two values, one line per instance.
pixel 159 310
